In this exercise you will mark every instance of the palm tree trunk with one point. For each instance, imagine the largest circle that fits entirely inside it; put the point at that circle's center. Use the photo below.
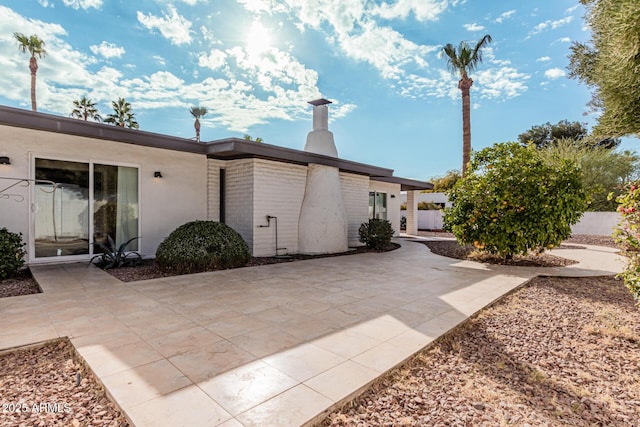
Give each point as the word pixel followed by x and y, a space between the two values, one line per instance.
pixel 464 85
pixel 196 125
pixel 33 66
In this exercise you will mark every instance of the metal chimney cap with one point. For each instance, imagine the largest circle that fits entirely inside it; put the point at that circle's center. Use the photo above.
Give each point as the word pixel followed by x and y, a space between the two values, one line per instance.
pixel 318 102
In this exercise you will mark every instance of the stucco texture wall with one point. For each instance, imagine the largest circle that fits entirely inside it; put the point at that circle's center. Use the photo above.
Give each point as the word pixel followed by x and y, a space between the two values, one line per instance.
pixel 165 203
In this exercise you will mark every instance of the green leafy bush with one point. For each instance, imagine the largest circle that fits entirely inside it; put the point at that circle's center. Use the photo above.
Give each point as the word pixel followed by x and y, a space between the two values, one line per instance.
pixel 113 256
pixel 11 253
pixel 512 201
pixel 376 233
pixel 201 246
pixel 627 236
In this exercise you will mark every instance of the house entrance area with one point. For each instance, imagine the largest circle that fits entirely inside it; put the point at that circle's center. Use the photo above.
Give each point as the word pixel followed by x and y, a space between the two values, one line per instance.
pixel 91 201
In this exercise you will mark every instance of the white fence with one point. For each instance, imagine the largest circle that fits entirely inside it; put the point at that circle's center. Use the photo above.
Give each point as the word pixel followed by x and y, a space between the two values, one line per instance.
pixel 597 223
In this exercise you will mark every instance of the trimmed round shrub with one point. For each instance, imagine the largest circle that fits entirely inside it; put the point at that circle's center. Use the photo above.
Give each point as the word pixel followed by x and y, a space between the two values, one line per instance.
pixel 376 233
pixel 202 246
pixel 11 253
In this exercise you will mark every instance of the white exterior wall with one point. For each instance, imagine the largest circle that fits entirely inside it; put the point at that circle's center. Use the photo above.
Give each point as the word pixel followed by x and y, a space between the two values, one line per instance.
pixel 355 192
pixel 427 197
pixel 165 203
pixel 599 223
pixel 239 198
pixel 393 201
pixel 278 191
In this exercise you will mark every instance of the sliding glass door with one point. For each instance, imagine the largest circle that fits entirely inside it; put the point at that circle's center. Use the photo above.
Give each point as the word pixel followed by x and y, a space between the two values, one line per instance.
pixel 62 216
pixel 115 204
pixel 91 201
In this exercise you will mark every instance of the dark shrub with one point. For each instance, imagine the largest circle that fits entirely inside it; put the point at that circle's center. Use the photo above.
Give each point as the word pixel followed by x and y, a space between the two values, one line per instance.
pixel 113 256
pixel 202 246
pixel 11 253
pixel 376 233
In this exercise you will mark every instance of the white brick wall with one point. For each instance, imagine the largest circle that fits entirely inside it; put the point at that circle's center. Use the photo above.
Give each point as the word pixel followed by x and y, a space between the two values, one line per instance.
pixel 278 191
pixel 239 198
pixel 355 192
pixel 393 203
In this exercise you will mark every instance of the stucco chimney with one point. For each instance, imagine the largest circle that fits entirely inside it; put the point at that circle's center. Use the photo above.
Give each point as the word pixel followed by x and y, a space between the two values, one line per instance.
pixel 320 139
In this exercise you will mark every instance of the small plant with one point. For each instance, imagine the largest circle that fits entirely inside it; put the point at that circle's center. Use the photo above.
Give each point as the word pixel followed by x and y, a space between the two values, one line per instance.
pixel 627 236
pixel 403 223
pixel 376 233
pixel 202 246
pixel 113 256
pixel 11 253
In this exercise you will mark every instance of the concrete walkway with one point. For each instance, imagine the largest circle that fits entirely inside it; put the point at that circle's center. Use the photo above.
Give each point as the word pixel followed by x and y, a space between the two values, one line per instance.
pixel 274 345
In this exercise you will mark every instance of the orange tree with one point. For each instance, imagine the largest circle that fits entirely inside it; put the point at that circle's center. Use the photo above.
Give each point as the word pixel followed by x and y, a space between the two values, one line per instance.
pixel 627 236
pixel 512 202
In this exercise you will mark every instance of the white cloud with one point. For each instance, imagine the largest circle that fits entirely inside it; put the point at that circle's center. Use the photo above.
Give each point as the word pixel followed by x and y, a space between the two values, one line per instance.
pixel 565 40
pixel 107 50
pixel 423 10
pixel 544 59
pixel 506 15
pixel 571 9
pixel 473 27
pixel 160 60
pixel 214 60
pixel 85 4
pixel 45 3
pixel 551 24
pixel 384 48
pixel 554 73
pixel 501 83
pixel 171 25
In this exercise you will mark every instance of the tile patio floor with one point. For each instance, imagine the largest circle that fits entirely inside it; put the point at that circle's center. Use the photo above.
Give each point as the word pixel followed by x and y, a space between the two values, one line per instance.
pixel 274 345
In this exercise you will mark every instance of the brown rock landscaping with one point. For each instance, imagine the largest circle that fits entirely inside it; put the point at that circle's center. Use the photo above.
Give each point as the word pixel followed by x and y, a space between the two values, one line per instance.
pixel 557 352
pixel 49 385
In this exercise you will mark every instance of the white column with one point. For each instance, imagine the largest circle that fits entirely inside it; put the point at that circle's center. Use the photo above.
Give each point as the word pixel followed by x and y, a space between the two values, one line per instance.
pixel 412 213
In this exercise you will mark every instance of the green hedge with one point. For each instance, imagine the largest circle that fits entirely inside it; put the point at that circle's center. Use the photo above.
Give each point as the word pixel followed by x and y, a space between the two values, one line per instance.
pixel 202 246
pixel 11 253
pixel 376 233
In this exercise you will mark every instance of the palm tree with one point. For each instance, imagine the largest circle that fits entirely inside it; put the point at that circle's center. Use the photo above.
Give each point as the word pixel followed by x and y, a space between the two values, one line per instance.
pixel 85 109
pixel 198 112
pixel 35 46
pixel 463 60
pixel 123 115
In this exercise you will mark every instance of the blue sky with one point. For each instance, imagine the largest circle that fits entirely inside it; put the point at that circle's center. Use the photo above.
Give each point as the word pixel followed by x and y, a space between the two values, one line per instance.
pixel 255 63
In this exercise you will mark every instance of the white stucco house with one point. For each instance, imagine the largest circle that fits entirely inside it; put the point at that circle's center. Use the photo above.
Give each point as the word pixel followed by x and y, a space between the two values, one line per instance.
pixel 126 183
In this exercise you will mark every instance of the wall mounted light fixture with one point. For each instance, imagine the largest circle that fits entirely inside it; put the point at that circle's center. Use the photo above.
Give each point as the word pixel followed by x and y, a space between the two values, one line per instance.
pixel 157 174
pixel 393 196
pixel 5 160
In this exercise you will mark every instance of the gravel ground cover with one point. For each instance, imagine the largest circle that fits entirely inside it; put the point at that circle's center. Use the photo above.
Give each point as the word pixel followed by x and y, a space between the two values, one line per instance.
pixel 49 385
pixel 22 284
pixel 557 352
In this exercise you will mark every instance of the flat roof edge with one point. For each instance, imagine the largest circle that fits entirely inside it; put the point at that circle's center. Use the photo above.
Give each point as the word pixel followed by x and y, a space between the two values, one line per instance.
pixel 406 184
pixel 47 122
pixel 239 148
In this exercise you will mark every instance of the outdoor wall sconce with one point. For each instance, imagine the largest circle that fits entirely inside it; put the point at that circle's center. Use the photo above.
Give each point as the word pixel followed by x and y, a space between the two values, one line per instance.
pixel 157 174
pixel 393 196
pixel 5 160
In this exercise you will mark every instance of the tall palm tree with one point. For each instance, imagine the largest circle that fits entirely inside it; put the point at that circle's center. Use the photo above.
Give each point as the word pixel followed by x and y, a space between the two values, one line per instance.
pixel 462 60
pixel 85 109
pixel 35 46
pixel 123 115
pixel 198 112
